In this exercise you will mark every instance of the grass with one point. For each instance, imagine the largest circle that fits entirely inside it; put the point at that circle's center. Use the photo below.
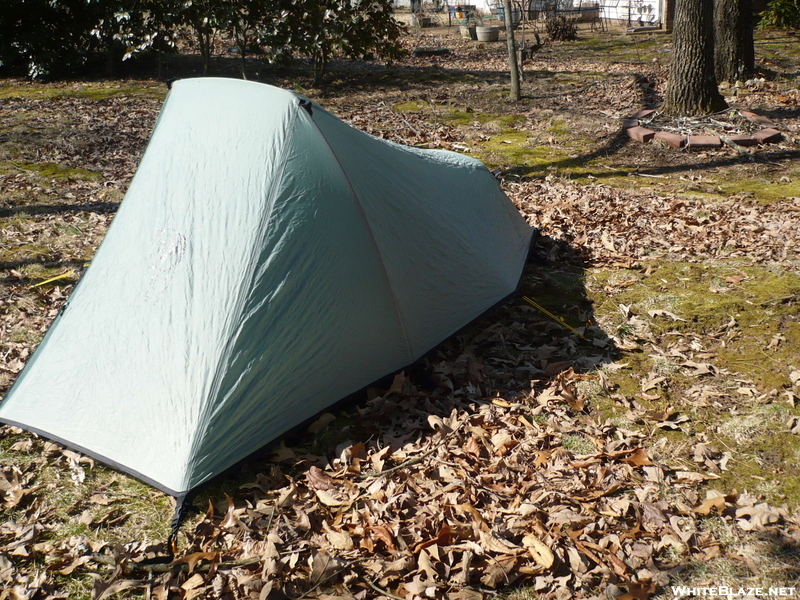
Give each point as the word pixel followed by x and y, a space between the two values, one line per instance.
pixel 734 329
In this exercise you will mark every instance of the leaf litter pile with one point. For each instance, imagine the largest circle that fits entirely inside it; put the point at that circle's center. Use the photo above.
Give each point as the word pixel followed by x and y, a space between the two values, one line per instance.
pixel 487 465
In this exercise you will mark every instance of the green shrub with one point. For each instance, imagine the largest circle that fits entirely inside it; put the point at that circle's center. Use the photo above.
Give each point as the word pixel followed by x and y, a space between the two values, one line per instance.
pixel 784 14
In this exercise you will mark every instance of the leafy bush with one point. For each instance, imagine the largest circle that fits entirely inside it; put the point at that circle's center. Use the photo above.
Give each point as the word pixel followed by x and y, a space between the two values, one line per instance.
pixel 44 38
pixel 561 29
pixel 38 37
pixel 781 14
pixel 57 38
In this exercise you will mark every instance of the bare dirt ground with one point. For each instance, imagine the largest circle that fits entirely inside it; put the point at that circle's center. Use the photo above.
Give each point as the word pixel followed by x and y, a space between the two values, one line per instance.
pixel 656 447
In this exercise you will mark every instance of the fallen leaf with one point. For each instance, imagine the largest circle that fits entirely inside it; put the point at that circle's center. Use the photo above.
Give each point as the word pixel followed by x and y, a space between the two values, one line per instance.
pixel 322 423
pixel 709 505
pixel 318 480
pixel 324 566
pixel 191 560
pixel 104 589
pixel 194 582
pixel 638 458
pixel 665 313
pixel 327 499
pixel 497 573
pixel 543 556
pixel 340 540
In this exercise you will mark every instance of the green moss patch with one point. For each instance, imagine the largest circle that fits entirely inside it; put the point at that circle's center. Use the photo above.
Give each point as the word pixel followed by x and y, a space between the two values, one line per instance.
pixel 468 117
pixel 47 170
pixel 88 91
pixel 409 106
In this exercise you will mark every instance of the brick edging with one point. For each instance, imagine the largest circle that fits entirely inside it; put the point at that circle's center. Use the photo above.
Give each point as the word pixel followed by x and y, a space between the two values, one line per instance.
pixel 767 135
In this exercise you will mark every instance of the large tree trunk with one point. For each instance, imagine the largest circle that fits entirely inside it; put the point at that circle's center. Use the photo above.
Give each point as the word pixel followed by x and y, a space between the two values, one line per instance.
pixel 692 88
pixel 512 52
pixel 734 53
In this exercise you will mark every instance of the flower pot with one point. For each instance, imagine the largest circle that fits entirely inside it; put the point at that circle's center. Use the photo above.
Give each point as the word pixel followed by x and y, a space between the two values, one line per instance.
pixel 487 34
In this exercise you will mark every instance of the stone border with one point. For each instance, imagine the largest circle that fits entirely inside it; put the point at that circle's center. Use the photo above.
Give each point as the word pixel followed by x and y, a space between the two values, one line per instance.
pixel 767 135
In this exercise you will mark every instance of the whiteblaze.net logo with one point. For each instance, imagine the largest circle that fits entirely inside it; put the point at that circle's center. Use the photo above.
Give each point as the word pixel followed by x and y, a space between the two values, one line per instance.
pixel 724 591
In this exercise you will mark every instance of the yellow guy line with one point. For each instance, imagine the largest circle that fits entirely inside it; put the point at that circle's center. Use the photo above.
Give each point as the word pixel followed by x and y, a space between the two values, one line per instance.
pixel 559 320
pixel 56 278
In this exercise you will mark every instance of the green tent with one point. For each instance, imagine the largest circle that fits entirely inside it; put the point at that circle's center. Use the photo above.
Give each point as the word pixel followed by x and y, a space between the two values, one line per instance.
pixel 267 261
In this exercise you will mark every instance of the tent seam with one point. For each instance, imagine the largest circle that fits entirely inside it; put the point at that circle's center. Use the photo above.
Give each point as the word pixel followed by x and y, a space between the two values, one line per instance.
pixel 399 314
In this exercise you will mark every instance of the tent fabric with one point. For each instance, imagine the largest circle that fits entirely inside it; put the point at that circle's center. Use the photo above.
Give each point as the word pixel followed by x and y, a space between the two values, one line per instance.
pixel 267 261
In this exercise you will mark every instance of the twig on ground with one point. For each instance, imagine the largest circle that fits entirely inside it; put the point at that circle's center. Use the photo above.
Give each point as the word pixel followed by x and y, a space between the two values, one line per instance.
pixel 172 567
pixel 781 299
pixel 729 142
pixel 648 175
pixel 402 465
pixel 375 587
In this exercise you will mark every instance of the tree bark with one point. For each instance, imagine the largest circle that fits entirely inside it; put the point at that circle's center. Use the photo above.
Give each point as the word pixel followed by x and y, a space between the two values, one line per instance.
pixel 204 41
pixel 692 88
pixel 734 52
pixel 513 67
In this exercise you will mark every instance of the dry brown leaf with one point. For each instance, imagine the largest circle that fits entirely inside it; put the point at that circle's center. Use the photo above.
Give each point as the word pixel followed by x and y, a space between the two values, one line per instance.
pixel 76 562
pixel 664 313
pixel 501 403
pixel 638 591
pixel 102 499
pixel 194 582
pixel 498 571
pixel 324 566
pixel 22 446
pixel 652 382
pixel 709 505
pixel 755 518
pixel 231 517
pixel 638 458
pixel 322 423
pixel 340 540
pixel 327 499
pixel 382 533
pixel 318 480
pixel 493 544
pixel 541 554
pixel 397 384
pixel 104 589
pixel 425 565
pixel 191 560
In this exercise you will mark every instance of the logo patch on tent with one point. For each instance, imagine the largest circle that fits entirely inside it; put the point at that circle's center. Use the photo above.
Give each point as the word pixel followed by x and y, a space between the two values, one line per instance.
pixel 167 255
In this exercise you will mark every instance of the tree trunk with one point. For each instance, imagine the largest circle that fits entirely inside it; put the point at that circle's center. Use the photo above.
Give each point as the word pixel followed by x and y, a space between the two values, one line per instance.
pixel 240 35
pixel 320 62
pixel 204 42
pixel 692 88
pixel 512 53
pixel 734 53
